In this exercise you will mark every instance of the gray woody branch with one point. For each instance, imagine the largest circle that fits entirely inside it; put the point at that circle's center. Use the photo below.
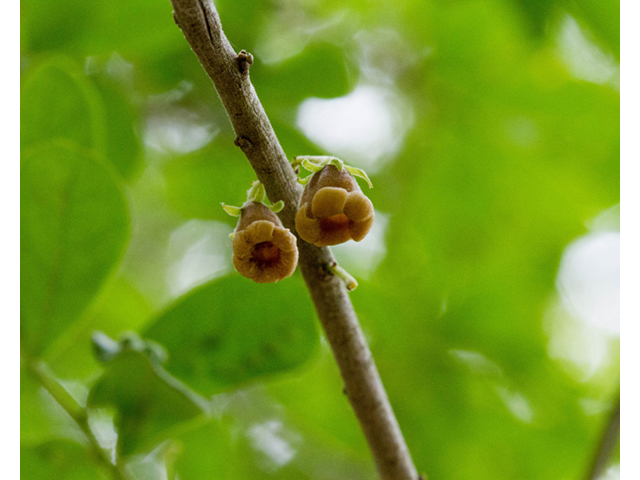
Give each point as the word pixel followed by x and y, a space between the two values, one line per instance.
pixel 229 72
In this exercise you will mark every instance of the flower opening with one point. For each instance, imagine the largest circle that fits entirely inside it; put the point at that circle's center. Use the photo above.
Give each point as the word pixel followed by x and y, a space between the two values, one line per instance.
pixel 263 250
pixel 333 209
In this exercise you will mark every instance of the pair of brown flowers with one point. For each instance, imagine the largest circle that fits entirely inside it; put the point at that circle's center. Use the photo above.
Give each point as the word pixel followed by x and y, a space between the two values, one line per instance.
pixel 332 210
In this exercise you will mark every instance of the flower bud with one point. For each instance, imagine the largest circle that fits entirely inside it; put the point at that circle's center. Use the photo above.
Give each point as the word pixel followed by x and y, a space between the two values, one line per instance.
pixel 333 209
pixel 263 250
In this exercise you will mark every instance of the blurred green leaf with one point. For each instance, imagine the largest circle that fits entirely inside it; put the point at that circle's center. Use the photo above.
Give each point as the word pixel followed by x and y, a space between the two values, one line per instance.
pixel 318 71
pixel 537 14
pixel 74 226
pixel 199 182
pixel 210 452
pixel 118 308
pixel 148 402
pixel 57 101
pixel 58 460
pixel 123 147
pixel 233 330
pixel 94 28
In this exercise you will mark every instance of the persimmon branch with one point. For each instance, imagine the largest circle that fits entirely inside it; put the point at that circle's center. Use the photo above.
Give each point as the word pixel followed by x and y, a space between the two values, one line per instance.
pixel 610 436
pixel 229 71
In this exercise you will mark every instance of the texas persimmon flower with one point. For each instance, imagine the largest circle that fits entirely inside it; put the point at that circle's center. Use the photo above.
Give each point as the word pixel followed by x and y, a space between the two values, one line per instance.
pixel 263 250
pixel 333 209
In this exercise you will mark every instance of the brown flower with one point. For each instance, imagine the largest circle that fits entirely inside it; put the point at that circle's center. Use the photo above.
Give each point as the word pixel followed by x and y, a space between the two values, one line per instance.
pixel 333 209
pixel 263 250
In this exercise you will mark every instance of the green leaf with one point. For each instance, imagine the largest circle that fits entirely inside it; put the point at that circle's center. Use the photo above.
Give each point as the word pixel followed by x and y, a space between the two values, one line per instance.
pixel 211 451
pixel 123 148
pixel 97 27
pixel 233 330
pixel 119 307
pixel 198 182
pixel 148 401
pixel 73 228
pixel 318 71
pixel 58 460
pixel 57 101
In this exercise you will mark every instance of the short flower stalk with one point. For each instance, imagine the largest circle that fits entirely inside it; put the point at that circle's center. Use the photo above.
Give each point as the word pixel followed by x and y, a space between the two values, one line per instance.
pixel 343 275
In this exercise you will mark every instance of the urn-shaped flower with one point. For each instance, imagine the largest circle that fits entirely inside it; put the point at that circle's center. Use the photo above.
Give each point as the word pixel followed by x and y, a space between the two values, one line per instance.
pixel 333 209
pixel 263 250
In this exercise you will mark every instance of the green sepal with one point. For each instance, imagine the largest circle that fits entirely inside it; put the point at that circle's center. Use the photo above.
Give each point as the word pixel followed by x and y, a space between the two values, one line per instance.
pixel 357 172
pixel 305 180
pixel 276 207
pixel 312 167
pixel 257 192
pixel 231 210
pixel 316 163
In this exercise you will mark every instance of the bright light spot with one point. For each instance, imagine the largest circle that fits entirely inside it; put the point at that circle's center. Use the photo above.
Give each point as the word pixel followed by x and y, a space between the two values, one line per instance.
pixel 266 437
pixel 199 250
pixel 592 406
pixel 583 58
pixel 607 221
pixel 102 426
pixel 362 258
pixel 577 344
pixel 383 55
pixel 172 96
pixel 76 389
pixel 589 280
pixel 119 69
pixel 219 404
pixel 584 321
pixel 289 31
pixel 365 128
pixel 517 404
pixel 522 131
pixel 612 473
pixel 177 131
pixel 476 362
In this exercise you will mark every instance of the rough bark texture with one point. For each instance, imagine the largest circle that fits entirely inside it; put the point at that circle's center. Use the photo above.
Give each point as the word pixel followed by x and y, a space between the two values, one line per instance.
pixel 229 72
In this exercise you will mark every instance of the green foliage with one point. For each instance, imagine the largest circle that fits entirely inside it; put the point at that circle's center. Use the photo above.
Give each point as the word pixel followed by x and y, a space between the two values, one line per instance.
pixel 58 460
pixel 53 98
pixel 230 340
pixel 146 399
pixel 505 156
pixel 64 257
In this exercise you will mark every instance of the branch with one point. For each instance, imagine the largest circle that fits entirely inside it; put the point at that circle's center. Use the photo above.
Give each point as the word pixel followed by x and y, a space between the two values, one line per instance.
pixel 610 436
pixel 229 72
pixel 75 411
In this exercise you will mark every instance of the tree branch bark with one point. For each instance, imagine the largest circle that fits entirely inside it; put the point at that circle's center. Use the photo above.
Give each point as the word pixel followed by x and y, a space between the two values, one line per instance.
pixel 200 24
pixel 608 440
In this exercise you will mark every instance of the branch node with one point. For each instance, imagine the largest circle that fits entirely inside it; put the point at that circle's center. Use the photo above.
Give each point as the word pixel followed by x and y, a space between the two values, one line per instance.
pixel 343 275
pixel 244 143
pixel 245 60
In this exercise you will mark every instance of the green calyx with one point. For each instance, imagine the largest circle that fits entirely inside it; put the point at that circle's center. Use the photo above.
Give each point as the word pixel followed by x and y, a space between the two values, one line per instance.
pixel 316 163
pixel 258 194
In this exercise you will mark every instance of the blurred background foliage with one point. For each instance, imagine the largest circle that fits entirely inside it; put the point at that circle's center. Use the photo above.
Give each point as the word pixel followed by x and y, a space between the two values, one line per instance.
pixel 488 287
